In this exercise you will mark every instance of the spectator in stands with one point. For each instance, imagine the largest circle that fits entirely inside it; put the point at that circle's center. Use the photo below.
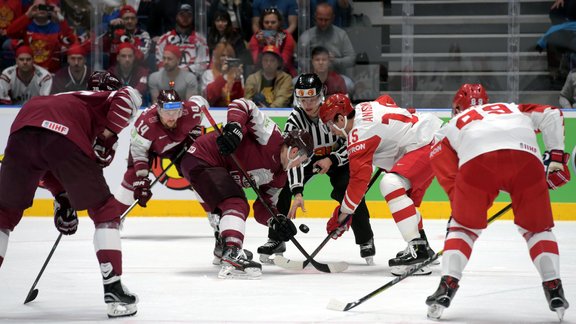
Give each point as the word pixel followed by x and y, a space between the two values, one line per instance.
pixel 332 81
pixel 125 30
pixel 331 37
pixel 270 33
pixel 160 16
pixel 10 9
pixel 568 92
pixel 74 76
pixel 186 83
pixel 195 53
pixel 223 82
pixel 221 30
pixel 240 12
pixel 287 8
pixel 342 11
pixel 45 30
pixel 77 14
pixel 128 71
pixel 24 80
pixel 270 86
pixel 559 40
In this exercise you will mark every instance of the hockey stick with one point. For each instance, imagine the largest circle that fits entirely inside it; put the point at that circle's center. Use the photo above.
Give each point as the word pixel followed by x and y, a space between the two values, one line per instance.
pixel 285 263
pixel 334 304
pixel 329 267
pixel 33 293
pixel 158 178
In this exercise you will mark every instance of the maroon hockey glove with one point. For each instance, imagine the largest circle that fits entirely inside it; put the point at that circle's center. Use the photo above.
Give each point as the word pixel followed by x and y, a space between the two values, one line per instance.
pixel 142 191
pixel 105 148
pixel 65 217
pixel 230 139
pixel 556 162
pixel 283 226
pixel 334 227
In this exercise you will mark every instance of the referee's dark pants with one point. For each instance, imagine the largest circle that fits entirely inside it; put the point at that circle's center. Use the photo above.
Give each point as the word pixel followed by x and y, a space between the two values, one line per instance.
pixel 339 177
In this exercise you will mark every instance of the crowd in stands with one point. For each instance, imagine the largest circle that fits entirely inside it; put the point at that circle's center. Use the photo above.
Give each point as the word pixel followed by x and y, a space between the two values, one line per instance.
pixel 249 49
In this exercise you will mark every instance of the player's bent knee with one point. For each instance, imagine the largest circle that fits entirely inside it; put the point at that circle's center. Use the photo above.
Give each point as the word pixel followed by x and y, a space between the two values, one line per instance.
pixel 392 182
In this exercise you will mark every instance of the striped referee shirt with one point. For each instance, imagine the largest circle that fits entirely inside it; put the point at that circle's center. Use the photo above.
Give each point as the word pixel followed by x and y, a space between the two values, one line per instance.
pixel 326 144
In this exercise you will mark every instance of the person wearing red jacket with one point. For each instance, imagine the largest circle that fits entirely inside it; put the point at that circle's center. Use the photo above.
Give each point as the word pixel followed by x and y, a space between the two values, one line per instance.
pixel 223 82
pixel 45 30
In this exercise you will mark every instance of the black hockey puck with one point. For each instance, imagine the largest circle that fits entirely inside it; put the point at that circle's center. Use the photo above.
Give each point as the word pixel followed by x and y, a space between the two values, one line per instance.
pixel 304 228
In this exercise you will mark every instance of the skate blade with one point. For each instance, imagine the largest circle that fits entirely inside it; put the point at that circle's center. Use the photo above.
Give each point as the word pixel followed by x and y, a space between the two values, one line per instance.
pixel 268 259
pixel 435 312
pixel 121 310
pixel 369 260
pixel 400 270
pixel 560 312
pixel 230 272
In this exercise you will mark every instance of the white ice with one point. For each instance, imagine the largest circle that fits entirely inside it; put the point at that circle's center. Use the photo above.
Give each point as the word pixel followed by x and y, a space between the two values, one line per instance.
pixel 167 262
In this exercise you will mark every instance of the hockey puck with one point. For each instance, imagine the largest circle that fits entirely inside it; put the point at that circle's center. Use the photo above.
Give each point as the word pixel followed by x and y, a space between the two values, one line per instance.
pixel 304 228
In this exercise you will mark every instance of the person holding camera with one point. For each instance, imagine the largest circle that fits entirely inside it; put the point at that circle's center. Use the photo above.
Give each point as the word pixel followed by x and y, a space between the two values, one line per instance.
pixel 125 30
pixel 44 29
pixel 223 82
pixel 271 33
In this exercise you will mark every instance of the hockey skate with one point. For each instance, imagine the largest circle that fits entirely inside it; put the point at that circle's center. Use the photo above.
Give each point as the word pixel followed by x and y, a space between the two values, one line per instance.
pixel 219 249
pixel 442 297
pixel 269 248
pixel 120 301
pixel 235 265
pixel 417 253
pixel 431 252
pixel 367 251
pixel 555 297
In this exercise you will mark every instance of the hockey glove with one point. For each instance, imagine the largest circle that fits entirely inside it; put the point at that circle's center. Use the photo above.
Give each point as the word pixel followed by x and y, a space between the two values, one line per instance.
pixel 142 191
pixel 337 227
pixel 105 148
pixel 65 217
pixel 283 226
pixel 557 173
pixel 230 139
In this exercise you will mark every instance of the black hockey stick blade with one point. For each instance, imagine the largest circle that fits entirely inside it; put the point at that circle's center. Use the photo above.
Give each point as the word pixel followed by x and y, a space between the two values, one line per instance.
pixel 31 296
pixel 33 291
pixel 334 304
pixel 336 267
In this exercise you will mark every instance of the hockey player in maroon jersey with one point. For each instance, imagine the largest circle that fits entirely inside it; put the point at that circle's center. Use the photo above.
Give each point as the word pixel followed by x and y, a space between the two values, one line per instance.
pixel 382 134
pixel 73 135
pixel 164 129
pixel 486 148
pixel 265 154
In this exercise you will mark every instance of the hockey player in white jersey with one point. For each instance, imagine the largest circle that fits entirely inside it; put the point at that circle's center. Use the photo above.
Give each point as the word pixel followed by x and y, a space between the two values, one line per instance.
pixel 391 138
pixel 486 148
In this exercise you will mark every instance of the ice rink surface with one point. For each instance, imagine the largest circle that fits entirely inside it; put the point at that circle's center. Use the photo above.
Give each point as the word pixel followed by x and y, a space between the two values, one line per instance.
pixel 167 262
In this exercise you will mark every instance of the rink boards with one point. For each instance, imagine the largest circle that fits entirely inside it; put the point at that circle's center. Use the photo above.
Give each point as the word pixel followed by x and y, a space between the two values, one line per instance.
pixel 174 198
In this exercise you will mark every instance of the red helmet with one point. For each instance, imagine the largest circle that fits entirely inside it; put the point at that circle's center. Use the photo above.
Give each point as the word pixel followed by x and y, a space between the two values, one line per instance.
pixel 334 105
pixel 103 80
pixel 300 139
pixel 467 96
pixel 386 100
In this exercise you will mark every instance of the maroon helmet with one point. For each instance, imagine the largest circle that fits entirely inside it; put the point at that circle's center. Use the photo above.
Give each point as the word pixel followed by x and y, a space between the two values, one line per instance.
pixel 300 139
pixel 467 96
pixel 104 81
pixel 169 103
pixel 334 105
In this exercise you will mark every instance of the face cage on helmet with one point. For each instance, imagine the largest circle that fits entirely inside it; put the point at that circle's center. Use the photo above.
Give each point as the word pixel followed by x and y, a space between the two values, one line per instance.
pixel 301 153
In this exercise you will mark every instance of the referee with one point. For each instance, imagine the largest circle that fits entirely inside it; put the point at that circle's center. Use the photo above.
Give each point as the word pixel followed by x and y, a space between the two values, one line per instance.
pixel 330 158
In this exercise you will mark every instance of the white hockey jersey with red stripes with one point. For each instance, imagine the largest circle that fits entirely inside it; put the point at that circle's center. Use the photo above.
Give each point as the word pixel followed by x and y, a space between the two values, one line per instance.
pixel 499 126
pixel 381 136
